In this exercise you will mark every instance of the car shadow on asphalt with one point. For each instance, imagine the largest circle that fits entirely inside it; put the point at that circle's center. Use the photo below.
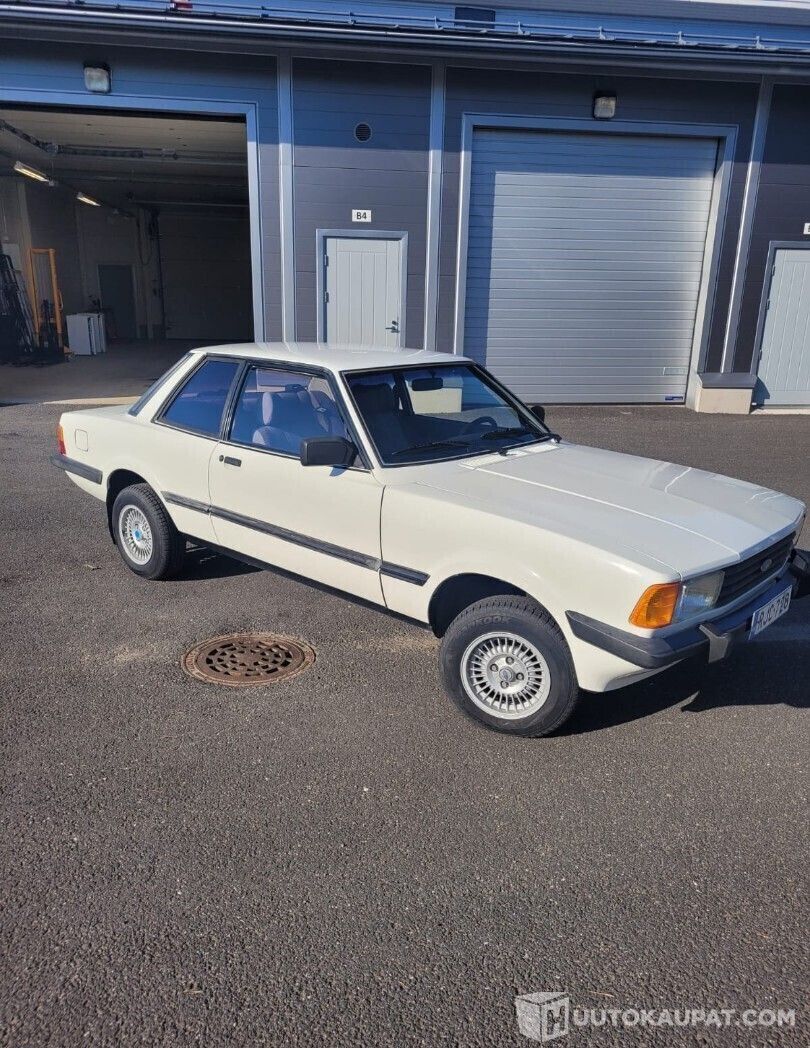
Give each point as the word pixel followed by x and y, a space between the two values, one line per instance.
pixel 760 675
pixel 203 563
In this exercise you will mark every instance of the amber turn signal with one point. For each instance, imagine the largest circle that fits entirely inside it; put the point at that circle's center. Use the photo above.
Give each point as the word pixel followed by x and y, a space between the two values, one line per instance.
pixel 60 440
pixel 656 606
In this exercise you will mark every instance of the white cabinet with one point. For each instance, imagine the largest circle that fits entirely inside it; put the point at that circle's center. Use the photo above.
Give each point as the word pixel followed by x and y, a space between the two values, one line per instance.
pixel 85 334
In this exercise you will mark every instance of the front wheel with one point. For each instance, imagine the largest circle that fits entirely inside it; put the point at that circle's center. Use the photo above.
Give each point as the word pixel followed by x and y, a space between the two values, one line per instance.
pixel 149 543
pixel 505 662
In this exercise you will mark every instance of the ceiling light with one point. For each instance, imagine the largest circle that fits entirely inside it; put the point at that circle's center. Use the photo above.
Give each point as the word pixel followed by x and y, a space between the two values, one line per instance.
pixel 97 79
pixel 30 172
pixel 604 107
pixel 85 199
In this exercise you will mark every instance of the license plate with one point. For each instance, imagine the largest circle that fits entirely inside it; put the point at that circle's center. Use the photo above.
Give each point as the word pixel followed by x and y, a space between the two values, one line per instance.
pixel 770 612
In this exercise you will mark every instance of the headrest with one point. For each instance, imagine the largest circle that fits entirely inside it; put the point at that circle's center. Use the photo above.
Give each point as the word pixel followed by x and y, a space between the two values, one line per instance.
pixel 283 410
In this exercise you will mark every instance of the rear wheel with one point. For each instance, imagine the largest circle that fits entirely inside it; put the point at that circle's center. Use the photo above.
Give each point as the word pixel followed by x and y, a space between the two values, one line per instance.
pixel 505 662
pixel 149 543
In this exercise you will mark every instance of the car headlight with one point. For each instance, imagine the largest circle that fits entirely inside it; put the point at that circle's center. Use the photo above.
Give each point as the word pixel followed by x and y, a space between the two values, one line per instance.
pixel 699 594
pixel 668 602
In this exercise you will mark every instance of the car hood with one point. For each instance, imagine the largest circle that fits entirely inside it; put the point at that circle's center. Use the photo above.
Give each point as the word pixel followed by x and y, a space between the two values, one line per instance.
pixel 683 518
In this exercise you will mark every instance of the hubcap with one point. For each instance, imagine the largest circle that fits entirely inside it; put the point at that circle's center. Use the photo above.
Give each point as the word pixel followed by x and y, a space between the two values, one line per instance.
pixel 135 534
pixel 505 675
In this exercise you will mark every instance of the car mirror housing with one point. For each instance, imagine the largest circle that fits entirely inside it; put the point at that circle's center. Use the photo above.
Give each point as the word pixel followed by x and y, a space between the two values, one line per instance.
pixel 327 451
pixel 538 411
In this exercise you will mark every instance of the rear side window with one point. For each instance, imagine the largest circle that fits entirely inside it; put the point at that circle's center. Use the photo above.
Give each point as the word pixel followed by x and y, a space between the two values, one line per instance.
pixel 201 401
pixel 139 404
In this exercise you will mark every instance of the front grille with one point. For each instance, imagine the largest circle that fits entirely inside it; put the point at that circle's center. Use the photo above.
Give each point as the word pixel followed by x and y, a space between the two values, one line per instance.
pixel 739 578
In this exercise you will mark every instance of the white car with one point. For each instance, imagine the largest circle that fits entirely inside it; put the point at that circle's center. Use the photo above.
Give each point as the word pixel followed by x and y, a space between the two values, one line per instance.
pixel 416 481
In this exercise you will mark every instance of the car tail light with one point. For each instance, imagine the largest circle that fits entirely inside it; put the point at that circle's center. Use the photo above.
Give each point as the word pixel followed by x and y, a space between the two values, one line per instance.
pixel 656 606
pixel 60 440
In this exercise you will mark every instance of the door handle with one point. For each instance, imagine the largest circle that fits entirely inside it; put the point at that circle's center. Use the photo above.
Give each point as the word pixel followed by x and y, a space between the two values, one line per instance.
pixel 394 326
pixel 229 461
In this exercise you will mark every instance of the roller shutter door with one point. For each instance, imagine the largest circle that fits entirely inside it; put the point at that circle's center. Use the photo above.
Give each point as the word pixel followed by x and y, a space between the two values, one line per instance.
pixel 584 261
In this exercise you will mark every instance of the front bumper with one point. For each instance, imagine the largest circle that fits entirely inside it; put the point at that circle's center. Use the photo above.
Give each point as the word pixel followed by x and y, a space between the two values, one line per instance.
pixel 714 639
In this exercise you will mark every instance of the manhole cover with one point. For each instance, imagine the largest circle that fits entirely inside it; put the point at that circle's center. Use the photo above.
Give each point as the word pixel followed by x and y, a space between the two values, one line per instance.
pixel 238 659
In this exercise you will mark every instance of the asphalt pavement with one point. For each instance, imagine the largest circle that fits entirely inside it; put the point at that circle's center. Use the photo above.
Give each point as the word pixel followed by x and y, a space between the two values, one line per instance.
pixel 343 859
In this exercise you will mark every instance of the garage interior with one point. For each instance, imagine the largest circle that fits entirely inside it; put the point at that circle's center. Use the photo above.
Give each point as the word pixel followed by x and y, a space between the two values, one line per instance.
pixel 128 236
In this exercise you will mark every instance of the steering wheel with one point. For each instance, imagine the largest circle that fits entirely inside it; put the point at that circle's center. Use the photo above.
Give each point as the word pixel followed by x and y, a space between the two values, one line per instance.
pixel 484 422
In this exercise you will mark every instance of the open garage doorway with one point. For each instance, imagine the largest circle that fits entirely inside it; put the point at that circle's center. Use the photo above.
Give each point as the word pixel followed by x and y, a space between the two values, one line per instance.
pixel 128 236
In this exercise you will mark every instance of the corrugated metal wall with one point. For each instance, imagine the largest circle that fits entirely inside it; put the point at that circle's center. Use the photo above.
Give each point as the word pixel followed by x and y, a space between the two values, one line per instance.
pixel 584 261
pixel 562 94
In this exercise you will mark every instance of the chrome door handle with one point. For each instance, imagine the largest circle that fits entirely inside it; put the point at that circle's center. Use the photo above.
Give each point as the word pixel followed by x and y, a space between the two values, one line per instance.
pixel 229 461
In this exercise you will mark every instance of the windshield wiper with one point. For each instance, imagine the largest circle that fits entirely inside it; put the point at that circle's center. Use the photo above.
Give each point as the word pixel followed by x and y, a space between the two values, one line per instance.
pixel 506 431
pixel 517 431
pixel 430 444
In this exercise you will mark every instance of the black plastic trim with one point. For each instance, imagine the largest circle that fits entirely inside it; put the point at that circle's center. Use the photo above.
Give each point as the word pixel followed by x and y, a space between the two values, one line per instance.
pixel 182 501
pixel 81 469
pixel 715 638
pixel 396 571
pixel 352 556
pixel 363 560
pixel 799 568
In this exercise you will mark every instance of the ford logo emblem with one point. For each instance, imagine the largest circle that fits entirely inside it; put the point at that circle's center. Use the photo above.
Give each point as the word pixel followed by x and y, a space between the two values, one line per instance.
pixel 767 563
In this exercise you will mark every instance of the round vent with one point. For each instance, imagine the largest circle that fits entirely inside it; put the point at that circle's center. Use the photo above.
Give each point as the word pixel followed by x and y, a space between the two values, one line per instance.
pixel 362 132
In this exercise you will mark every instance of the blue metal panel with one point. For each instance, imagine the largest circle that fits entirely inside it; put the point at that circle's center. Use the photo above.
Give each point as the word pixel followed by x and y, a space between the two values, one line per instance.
pixel 174 81
pixel 784 366
pixel 569 95
pixel 585 255
pixel 335 173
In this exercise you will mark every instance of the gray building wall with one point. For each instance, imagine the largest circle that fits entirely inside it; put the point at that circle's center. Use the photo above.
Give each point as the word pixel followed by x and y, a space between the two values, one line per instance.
pixel 166 79
pixel 783 202
pixel 560 94
pixel 334 173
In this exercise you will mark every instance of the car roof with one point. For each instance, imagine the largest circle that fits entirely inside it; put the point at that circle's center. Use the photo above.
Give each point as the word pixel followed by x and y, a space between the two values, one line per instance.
pixel 333 357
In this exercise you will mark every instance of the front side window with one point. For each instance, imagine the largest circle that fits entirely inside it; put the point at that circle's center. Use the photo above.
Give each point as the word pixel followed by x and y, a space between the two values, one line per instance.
pixel 201 401
pixel 448 411
pixel 278 409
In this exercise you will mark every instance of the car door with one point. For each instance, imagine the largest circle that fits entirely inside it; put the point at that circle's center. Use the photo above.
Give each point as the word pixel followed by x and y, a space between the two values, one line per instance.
pixel 318 521
pixel 182 439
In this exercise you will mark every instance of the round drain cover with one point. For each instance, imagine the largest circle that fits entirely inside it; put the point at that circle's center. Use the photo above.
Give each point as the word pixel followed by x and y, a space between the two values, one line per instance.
pixel 238 659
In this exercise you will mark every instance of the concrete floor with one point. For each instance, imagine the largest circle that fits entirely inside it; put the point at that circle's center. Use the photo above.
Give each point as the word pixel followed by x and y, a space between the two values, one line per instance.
pixel 345 860
pixel 123 372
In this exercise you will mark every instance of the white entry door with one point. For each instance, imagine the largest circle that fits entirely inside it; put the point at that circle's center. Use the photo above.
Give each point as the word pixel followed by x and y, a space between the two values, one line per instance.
pixel 784 365
pixel 363 290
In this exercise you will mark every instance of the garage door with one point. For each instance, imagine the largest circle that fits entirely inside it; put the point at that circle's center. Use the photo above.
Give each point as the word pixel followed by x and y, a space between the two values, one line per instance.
pixel 584 261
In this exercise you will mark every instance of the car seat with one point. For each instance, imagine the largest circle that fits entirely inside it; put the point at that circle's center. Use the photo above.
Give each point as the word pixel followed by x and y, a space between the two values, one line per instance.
pixel 287 419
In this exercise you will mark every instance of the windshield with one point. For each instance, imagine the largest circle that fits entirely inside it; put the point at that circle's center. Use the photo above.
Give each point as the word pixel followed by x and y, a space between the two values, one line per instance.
pixel 431 413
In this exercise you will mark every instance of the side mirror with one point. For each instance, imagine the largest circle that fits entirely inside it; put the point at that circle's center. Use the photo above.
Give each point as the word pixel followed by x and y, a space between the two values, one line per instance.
pixel 327 451
pixel 538 411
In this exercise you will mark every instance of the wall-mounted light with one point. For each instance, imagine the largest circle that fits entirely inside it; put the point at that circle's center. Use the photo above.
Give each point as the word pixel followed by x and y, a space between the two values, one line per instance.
pixel 85 199
pixel 97 78
pixel 604 107
pixel 30 172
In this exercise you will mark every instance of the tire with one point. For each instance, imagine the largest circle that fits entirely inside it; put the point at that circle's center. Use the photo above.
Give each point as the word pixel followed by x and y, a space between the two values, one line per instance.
pixel 484 684
pixel 149 543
